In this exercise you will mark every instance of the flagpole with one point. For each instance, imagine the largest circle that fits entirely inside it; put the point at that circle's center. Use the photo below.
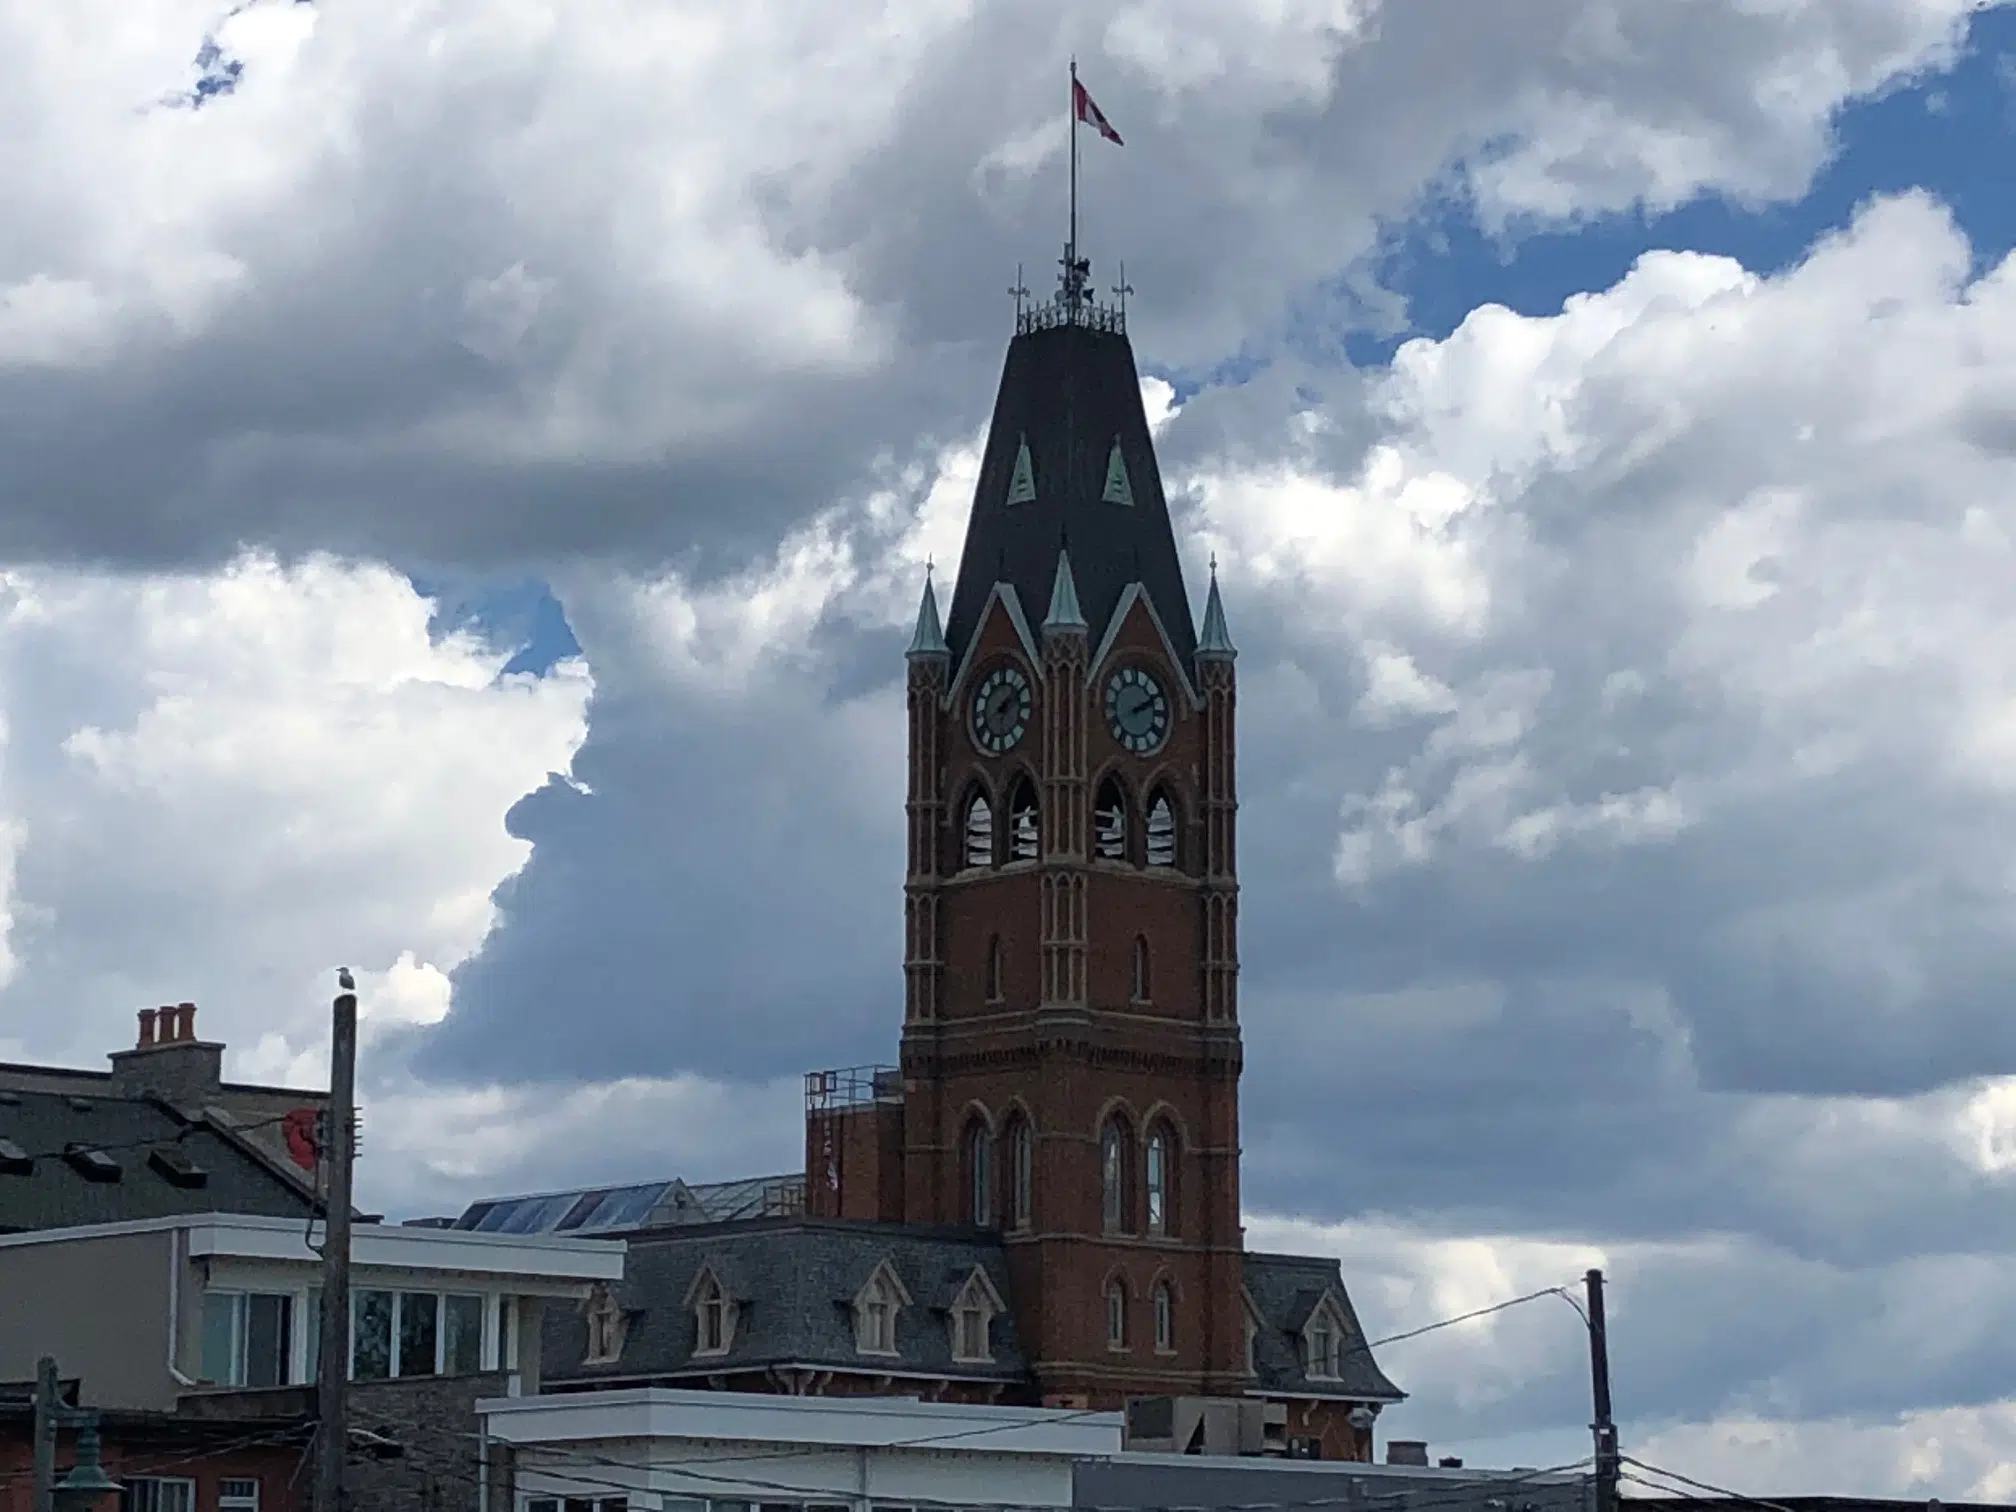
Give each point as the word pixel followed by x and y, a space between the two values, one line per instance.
pixel 1071 247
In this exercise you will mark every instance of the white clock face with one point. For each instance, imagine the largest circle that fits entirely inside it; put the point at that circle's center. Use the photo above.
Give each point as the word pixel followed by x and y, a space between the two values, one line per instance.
pixel 1001 707
pixel 1137 710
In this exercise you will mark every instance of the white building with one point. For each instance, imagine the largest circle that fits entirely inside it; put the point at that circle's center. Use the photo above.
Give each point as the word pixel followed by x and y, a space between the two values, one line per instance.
pixel 150 1311
pixel 658 1450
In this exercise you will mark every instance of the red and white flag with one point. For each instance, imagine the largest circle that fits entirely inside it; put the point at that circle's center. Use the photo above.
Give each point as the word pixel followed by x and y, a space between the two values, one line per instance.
pixel 1086 111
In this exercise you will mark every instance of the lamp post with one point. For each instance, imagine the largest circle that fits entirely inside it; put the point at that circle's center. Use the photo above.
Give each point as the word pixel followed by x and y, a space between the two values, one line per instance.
pixel 85 1486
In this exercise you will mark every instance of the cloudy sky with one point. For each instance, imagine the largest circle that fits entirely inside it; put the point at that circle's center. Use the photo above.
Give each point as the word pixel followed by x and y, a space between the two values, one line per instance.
pixel 465 469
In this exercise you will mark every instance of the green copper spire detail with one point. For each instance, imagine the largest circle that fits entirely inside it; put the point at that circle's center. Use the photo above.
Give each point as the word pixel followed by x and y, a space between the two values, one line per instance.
pixel 1118 489
pixel 1022 486
pixel 1216 641
pixel 930 637
pixel 1064 611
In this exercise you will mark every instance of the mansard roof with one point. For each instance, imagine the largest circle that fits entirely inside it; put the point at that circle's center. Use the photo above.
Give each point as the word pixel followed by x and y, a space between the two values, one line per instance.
pixel 1070 397
pixel 794 1282
pixel 1286 1290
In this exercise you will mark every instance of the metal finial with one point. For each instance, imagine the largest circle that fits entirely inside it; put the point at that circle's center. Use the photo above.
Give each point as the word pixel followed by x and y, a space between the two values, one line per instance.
pixel 1122 289
pixel 1021 293
pixel 1214 564
pixel 929 562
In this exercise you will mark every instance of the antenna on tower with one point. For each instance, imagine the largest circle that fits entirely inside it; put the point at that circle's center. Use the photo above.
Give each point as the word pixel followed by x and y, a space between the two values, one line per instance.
pixel 1122 289
pixel 1021 293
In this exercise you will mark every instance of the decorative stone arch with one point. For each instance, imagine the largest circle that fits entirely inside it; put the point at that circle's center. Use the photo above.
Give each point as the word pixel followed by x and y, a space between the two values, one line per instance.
pixel 1020 818
pixel 716 1311
pixel 977 843
pixel 976 1165
pixel 1110 841
pixel 1163 824
pixel 1162 1144
pixel 974 1308
pixel 1117 1132
pixel 877 1305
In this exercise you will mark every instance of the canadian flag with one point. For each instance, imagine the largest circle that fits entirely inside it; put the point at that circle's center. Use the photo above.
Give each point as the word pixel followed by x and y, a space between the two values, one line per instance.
pixel 1086 111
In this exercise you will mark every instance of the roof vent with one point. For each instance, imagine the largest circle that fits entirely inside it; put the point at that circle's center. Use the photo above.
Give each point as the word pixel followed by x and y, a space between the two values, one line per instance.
pixel 91 1164
pixel 14 1161
pixel 176 1167
pixel 80 1104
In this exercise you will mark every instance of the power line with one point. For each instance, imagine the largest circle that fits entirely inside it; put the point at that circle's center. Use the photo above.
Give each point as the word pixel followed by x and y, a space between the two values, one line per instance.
pixel 1699 1485
pixel 187 1129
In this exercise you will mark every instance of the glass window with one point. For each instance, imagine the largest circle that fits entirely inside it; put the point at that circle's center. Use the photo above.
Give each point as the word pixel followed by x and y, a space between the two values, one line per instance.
pixel 1158 1183
pixel 462 1335
pixel 1116 1316
pixel 235 1494
pixel 1113 1173
pixel 419 1333
pixel 979 1174
pixel 157 1494
pixel 370 1335
pixel 247 1338
pixel 220 1337
pixel 542 1504
pixel 1165 1316
pixel 1021 1156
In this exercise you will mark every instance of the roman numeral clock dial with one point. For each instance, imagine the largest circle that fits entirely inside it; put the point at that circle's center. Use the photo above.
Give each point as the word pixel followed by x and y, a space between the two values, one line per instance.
pixel 1137 710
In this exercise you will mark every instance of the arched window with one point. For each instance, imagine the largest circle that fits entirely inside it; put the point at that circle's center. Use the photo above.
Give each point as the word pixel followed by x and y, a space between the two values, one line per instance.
pixel 1161 831
pixel 1109 822
pixel 1024 833
pixel 1155 1168
pixel 713 1317
pixel 1165 1317
pixel 994 993
pixel 1116 1314
pixel 980 1174
pixel 1113 1172
pixel 979 831
pixel 1021 1171
pixel 1138 987
pixel 875 1310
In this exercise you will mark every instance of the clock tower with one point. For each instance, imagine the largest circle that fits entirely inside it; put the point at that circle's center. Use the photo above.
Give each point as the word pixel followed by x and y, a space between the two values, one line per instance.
pixel 1070 1051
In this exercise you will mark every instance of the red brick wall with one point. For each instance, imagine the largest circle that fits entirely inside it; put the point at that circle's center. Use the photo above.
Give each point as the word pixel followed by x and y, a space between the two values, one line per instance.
pixel 205 1456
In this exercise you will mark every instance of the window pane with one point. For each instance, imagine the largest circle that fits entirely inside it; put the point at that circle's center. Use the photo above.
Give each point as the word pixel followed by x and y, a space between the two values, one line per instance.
pixel 579 1504
pixel 312 1355
pixel 370 1335
pixel 220 1338
pixel 269 1321
pixel 462 1347
pixel 542 1504
pixel 419 1327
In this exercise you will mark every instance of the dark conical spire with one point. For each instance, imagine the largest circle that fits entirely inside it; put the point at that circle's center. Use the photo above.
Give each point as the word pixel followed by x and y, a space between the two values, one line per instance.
pixel 1216 640
pixel 1069 455
pixel 929 639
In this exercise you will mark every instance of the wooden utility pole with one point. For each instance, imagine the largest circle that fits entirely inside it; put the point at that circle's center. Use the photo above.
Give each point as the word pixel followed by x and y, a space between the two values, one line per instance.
pixel 1609 1467
pixel 332 1428
pixel 48 1392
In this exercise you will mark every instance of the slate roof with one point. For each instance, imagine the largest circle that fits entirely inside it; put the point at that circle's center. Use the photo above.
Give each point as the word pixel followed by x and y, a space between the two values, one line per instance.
pixel 1070 392
pixel 794 1281
pixel 1286 1290
pixel 53 1193
pixel 621 1210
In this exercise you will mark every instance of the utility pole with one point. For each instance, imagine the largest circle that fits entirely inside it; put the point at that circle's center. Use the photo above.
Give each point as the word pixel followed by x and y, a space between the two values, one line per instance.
pixel 1609 1467
pixel 332 1429
pixel 47 1394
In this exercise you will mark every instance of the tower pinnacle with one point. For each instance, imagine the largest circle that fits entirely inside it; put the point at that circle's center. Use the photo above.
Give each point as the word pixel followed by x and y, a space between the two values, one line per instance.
pixel 1064 611
pixel 1215 643
pixel 929 639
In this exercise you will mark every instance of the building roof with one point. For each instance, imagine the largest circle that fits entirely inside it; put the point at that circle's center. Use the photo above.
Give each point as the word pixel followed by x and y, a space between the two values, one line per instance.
pixel 1070 398
pixel 1286 1290
pixel 793 1282
pixel 755 1418
pixel 155 1162
pixel 625 1209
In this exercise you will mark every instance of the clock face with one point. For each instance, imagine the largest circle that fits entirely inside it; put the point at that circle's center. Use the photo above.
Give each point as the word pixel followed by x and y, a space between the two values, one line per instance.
pixel 1001 710
pixel 1137 710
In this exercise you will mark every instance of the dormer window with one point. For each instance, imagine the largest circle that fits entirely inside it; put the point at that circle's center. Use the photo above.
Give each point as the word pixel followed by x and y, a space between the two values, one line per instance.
pixel 973 1312
pixel 1323 1342
pixel 876 1307
pixel 979 837
pixel 713 1317
pixel 605 1327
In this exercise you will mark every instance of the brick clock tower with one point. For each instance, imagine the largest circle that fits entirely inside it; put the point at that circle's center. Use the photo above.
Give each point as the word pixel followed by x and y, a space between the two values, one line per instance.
pixel 1070 1051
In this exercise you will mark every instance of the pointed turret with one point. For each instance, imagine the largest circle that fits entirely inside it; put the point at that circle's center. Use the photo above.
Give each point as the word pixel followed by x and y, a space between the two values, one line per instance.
pixel 1215 643
pixel 1064 611
pixel 929 639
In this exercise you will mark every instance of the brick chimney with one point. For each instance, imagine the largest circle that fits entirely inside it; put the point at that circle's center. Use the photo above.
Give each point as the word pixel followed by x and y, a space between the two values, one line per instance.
pixel 168 1061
